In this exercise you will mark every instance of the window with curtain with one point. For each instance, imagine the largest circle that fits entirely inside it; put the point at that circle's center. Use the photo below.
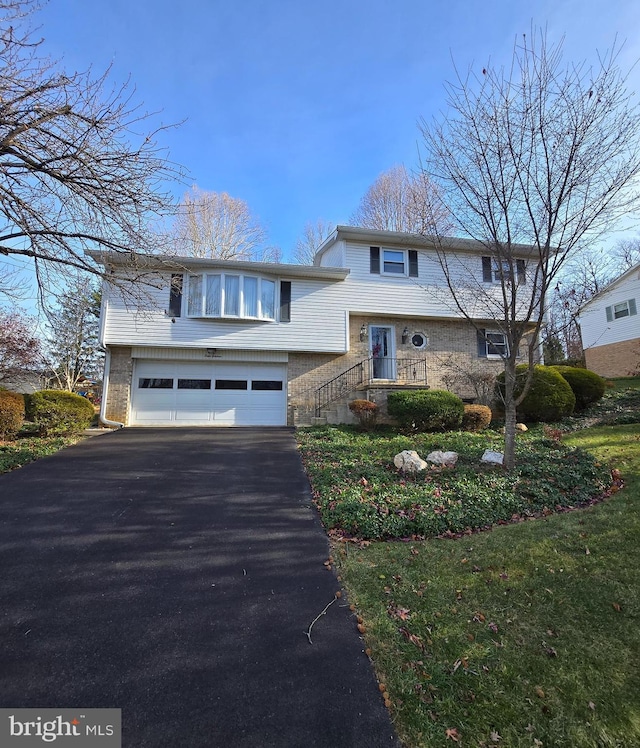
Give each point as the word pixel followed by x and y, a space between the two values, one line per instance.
pixel 267 299
pixel 250 297
pixel 231 295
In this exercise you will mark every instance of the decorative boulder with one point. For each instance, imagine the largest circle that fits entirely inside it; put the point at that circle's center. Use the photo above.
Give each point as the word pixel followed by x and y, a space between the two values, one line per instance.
pixel 521 427
pixel 409 461
pixel 448 459
pixel 493 458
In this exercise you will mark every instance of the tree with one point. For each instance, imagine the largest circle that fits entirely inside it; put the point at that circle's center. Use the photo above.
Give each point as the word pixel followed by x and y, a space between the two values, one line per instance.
pixel 19 347
pixel 79 168
pixel 312 237
pixel 399 201
pixel 214 224
pixel 541 155
pixel 74 348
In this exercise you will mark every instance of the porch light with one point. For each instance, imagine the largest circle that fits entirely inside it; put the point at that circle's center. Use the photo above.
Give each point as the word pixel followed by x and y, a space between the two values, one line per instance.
pixel 405 335
pixel 363 333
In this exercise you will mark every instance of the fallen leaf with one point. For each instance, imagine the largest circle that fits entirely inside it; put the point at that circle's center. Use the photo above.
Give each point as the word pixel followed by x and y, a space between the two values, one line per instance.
pixel 616 607
pixel 539 692
pixel 452 734
pixel 592 706
pixel 493 627
pixel 495 737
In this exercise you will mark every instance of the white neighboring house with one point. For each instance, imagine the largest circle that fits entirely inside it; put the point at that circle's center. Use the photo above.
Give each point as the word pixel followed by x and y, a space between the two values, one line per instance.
pixel 243 343
pixel 610 327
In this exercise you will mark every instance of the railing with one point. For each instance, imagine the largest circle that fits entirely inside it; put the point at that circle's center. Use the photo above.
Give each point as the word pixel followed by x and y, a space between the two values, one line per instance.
pixel 396 370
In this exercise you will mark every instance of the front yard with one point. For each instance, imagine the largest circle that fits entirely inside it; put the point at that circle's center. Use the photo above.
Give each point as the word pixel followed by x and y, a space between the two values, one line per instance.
pixel 525 635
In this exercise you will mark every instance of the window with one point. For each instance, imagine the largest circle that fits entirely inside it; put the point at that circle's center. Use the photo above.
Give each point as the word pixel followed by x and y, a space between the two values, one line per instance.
pixel 621 309
pixel 194 384
pixel 231 384
pixel 419 340
pixel 393 261
pixel 492 344
pixel 147 383
pixel 271 385
pixel 497 271
pixel 231 295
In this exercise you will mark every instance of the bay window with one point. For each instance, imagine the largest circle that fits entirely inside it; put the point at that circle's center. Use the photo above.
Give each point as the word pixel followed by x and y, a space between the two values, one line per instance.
pixel 231 295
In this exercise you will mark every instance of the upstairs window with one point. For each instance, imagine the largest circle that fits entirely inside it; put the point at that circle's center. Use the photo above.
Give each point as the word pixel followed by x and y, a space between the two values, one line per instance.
pixel 393 261
pixel 498 271
pixel 622 309
pixel 230 295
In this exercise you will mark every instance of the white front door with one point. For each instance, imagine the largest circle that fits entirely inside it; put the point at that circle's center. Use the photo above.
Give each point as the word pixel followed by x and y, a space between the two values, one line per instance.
pixel 382 349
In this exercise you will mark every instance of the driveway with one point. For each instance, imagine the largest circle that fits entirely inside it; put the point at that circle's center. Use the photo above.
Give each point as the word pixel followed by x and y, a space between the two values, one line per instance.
pixel 173 573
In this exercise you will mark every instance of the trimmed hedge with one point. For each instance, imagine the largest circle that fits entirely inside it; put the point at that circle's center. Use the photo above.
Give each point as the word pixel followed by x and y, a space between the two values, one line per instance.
pixel 476 417
pixel 11 414
pixel 426 410
pixel 58 412
pixel 550 398
pixel 587 386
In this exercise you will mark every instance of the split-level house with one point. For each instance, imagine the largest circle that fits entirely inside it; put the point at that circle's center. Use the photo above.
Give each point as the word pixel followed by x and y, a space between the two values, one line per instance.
pixel 610 327
pixel 219 342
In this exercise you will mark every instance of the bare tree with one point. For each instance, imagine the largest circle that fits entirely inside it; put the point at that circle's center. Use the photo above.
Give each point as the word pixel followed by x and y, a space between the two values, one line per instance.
pixel 78 167
pixel 19 347
pixel 74 352
pixel 541 155
pixel 399 201
pixel 627 253
pixel 214 224
pixel 312 237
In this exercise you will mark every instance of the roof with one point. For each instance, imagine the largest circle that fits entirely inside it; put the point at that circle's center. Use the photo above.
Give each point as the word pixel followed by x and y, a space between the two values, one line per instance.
pixel 399 238
pixel 609 287
pixel 169 263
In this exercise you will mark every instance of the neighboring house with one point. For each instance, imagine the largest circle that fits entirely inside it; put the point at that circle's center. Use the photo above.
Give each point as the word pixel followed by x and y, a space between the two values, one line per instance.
pixel 244 343
pixel 610 327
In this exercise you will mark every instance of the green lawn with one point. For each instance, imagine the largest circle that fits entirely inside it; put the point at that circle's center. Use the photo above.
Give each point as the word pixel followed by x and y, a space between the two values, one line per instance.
pixel 526 635
pixel 17 453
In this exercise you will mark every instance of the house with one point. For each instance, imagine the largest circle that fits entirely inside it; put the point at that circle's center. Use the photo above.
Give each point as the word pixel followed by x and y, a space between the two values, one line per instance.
pixel 222 342
pixel 610 327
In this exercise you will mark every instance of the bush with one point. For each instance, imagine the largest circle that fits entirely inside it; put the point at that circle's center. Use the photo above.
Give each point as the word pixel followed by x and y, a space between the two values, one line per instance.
pixel 426 410
pixel 59 413
pixel 476 417
pixel 587 386
pixel 11 414
pixel 550 398
pixel 365 411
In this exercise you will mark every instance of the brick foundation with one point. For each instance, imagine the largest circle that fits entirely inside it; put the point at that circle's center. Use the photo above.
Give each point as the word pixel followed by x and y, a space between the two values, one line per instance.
pixel 119 390
pixel 615 359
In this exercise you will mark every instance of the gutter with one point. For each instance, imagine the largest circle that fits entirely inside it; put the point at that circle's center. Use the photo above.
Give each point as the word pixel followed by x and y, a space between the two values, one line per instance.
pixel 105 389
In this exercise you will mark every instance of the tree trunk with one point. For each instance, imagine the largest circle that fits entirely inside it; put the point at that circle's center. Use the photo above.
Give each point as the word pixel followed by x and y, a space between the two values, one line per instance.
pixel 509 415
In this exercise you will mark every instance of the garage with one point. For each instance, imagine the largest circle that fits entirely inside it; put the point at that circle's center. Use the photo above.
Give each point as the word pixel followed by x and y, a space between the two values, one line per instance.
pixel 176 393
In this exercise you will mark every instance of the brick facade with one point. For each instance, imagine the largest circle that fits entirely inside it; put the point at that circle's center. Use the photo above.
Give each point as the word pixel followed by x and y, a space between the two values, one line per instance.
pixel 615 359
pixel 119 390
pixel 452 350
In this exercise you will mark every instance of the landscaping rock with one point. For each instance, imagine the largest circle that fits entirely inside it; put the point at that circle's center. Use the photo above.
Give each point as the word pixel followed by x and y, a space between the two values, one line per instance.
pixel 521 427
pixel 493 458
pixel 447 459
pixel 409 461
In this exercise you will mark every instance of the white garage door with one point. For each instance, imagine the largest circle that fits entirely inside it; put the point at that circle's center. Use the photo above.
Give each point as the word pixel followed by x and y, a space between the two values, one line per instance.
pixel 208 394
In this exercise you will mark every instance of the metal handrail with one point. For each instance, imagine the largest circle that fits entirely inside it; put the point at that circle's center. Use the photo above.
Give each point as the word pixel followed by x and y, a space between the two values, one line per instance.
pixel 404 370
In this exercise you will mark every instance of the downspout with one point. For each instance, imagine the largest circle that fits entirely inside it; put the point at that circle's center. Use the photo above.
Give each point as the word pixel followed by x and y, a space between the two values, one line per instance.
pixel 105 390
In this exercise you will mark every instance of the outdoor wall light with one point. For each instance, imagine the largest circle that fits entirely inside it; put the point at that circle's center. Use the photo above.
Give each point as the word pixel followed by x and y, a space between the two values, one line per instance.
pixel 363 333
pixel 405 335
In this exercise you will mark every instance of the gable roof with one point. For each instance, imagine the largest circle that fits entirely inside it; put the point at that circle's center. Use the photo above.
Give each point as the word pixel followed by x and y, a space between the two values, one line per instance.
pixel 610 286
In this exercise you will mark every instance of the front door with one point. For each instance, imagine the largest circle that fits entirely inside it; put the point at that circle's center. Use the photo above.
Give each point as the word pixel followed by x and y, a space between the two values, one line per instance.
pixel 382 352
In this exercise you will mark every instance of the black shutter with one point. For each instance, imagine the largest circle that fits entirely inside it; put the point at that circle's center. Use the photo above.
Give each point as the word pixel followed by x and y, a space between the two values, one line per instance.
pixel 413 263
pixel 482 344
pixel 374 260
pixel 285 301
pixel 486 270
pixel 522 272
pixel 175 295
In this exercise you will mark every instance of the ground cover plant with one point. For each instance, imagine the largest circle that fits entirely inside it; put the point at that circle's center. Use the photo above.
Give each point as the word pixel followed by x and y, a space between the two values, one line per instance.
pixel 25 449
pixel 526 635
pixel 359 491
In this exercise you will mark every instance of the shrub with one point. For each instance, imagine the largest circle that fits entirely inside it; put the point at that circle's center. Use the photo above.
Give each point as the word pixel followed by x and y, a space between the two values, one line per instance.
pixel 11 414
pixel 587 386
pixel 549 398
pixel 59 413
pixel 476 417
pixel 426 410
pixel 365 411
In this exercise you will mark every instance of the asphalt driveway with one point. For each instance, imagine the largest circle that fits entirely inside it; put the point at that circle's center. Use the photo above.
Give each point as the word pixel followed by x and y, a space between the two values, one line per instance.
pixel 173 573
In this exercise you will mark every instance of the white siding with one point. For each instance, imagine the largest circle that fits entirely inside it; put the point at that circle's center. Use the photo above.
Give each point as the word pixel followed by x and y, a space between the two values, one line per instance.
pixel 317 323
pixel 595 328
pixel 334 256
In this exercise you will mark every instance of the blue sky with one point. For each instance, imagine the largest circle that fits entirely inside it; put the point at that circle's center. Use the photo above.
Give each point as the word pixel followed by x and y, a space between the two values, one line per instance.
pixel 297 106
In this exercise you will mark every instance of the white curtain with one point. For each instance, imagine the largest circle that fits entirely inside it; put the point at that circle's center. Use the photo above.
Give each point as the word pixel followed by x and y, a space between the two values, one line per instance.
pixel 250 293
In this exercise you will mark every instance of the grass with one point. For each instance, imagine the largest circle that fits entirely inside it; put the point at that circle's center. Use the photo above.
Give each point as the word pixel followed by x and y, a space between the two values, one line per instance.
pixel 26 449
pixel 527 635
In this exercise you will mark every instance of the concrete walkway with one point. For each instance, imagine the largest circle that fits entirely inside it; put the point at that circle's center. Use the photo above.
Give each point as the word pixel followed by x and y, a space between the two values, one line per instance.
pixel 173 573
